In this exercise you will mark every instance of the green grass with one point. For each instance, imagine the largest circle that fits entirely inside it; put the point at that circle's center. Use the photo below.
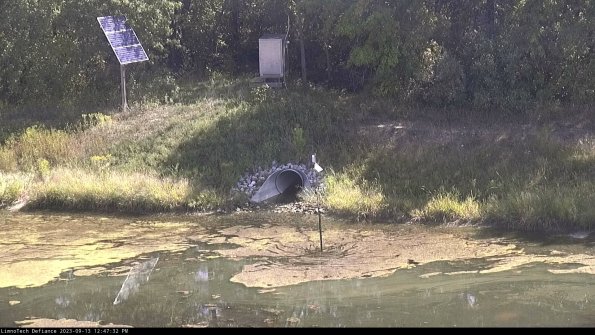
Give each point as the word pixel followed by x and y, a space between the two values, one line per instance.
pixel 75 189
pixel 548 207
pixel 535 183
pixel 35 143
pixel 447 207
pixel 346 195
pixel 187 153
pixel 13 186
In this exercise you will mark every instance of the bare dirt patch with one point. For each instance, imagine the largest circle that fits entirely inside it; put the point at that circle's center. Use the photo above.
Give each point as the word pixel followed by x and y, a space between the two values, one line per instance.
pixel 288 255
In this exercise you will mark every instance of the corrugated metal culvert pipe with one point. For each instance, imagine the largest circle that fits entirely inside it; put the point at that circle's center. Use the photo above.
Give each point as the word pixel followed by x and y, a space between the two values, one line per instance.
pixel 282 182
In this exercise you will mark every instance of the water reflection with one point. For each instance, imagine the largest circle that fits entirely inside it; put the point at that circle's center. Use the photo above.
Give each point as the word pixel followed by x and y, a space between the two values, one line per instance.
pixel 470 299
pixel 190 288
pixel 139 274
pixel 198 293
pixel 62 301
pixel 202 274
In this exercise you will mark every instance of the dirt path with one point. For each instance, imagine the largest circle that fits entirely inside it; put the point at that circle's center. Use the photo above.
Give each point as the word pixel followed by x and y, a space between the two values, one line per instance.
pixel 575 130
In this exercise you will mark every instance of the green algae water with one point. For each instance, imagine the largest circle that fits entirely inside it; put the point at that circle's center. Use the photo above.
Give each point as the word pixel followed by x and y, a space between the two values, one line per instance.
pixel 179 273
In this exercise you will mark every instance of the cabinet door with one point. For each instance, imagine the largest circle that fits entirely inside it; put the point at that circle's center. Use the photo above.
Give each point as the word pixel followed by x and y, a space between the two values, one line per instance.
pixel 270 58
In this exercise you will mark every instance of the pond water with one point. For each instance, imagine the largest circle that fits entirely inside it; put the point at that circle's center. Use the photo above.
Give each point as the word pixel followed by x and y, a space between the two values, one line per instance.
pixel 196 272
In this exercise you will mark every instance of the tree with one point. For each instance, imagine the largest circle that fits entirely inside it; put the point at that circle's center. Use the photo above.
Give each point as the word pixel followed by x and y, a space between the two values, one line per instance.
pixel 54 51
pixel 388 40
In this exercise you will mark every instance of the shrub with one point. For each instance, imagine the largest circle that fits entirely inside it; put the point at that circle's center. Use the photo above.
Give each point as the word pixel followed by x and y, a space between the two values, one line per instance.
pixel 344 194
pixel 447 207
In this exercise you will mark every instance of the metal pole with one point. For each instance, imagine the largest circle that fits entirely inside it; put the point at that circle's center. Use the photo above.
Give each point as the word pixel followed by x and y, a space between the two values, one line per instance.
pixel 319 220
pixel 123 87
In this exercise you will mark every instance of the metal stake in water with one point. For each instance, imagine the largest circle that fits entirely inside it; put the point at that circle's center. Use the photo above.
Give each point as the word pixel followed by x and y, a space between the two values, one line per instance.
pixel 318 169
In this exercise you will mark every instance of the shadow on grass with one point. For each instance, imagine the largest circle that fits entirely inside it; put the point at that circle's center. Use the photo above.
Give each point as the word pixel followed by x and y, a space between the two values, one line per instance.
pixel 267 125
pixel 143 88
pixel 530 184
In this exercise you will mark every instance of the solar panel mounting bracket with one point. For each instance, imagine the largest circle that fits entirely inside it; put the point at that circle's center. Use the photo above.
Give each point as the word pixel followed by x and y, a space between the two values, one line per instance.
pixel 125 44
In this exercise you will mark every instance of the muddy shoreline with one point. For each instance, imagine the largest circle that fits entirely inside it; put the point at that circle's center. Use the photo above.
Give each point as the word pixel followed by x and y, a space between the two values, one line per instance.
pixel 283 248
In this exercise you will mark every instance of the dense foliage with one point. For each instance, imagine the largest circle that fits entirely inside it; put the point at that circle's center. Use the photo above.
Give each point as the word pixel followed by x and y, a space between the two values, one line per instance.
pixel 486 54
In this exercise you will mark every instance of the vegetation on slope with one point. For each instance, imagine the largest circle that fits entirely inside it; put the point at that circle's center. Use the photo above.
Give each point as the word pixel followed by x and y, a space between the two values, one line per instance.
pixel 382 161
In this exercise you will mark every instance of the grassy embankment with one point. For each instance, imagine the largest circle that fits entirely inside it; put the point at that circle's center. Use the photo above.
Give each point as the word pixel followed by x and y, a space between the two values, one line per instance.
pixel 187 156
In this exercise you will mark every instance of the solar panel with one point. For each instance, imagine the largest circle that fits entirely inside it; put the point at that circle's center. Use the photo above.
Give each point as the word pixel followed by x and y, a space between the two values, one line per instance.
pixel 130 54
pixel 113 23
pixel 122 39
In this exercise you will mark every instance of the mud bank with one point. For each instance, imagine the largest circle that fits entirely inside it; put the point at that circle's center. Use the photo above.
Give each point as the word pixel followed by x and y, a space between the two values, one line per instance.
pixel 282 249
pixel 289 255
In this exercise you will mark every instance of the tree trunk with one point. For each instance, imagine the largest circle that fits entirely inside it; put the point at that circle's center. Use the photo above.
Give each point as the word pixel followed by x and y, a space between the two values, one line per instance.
pixel 328 63
pixel 303 58
pixel 235 33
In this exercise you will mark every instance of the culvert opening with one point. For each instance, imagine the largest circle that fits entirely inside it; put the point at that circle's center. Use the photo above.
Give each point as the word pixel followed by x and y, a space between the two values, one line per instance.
pixel 282 185
pixel 289 182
